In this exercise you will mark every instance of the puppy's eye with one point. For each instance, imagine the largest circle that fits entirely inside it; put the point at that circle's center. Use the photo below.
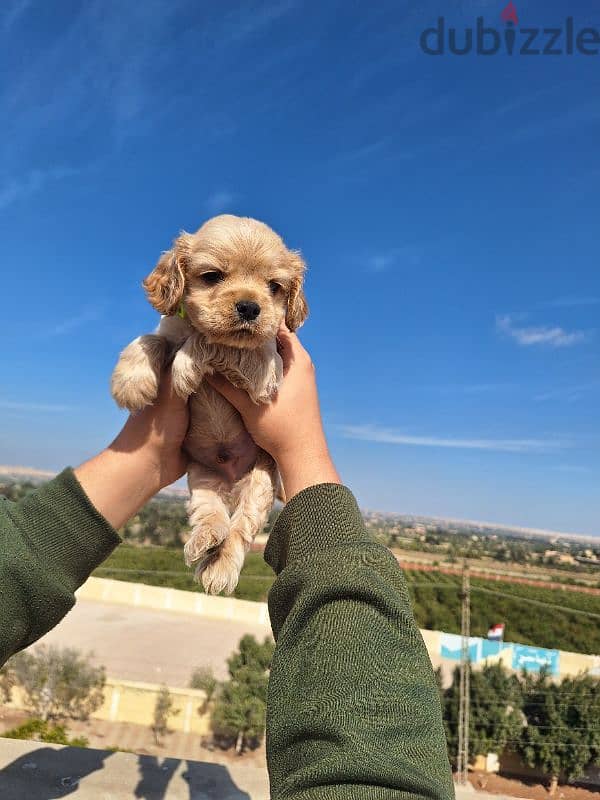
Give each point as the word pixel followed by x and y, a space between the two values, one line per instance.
pixel 274 287
pixel 211 278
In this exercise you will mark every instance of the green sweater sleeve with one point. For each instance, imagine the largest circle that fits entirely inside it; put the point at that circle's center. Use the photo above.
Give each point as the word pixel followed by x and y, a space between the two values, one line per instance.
pixel 353 710
pixel 49 544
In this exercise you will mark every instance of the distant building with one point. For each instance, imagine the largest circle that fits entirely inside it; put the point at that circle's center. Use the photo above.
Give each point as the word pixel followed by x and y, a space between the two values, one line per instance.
pixel 558 557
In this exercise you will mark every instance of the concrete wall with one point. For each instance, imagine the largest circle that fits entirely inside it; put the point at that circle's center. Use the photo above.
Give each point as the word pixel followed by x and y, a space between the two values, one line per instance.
pixel 139 594
pixel 439 644
pixel 126 701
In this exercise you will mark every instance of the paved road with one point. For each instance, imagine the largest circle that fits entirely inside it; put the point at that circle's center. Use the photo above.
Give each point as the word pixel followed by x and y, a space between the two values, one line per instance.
pixel 140 644
pixel 152 646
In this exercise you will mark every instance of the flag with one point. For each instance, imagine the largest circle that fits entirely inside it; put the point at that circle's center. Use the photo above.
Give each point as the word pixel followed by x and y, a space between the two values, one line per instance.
pixel 496 632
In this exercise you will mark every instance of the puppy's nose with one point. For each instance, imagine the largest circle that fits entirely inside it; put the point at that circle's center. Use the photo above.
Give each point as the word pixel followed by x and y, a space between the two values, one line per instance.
pixel 248 310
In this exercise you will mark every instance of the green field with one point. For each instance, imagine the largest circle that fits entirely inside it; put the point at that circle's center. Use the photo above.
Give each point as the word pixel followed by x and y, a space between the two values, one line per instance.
pixel 529 612
pixel 164 566
pixel 435 598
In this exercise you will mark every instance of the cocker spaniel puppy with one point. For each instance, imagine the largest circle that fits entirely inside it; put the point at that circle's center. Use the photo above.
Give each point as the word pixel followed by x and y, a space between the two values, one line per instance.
pixel 224 292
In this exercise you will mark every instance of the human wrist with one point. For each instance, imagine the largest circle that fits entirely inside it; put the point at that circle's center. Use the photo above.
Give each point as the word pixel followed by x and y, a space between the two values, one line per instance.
pixel 118 483
pixel 306 466
pixel 143 461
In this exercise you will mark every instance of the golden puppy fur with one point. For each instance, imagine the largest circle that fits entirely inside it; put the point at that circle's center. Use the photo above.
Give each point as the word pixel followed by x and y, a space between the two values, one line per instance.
pixel 235 281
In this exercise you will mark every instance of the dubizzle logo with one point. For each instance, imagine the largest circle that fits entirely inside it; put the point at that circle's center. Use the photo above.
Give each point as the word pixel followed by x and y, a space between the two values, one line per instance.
pixel 511 40
pixel 509 14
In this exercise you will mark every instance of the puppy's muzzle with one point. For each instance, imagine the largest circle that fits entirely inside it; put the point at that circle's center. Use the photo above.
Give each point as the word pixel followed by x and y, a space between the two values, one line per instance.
pixel 247 310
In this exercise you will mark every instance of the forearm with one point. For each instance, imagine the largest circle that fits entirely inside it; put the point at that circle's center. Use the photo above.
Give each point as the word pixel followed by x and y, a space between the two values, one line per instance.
pixel 49 544
pixel 118 483
pixel 353 709
pixel 145 457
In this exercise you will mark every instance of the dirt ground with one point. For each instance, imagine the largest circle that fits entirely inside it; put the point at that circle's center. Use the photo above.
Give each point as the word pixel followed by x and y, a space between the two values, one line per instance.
pixel 497 784
pixel 103 735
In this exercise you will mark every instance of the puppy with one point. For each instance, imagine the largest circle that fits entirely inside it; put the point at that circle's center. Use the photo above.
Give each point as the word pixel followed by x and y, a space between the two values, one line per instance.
pixel 224 292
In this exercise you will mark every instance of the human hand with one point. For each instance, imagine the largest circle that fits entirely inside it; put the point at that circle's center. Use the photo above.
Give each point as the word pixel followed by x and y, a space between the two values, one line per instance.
pixel 289 428
pixel 145 457
pixel 155 434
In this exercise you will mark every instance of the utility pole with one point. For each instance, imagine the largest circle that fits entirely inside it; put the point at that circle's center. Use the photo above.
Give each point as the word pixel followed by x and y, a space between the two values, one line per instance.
pixel 465 670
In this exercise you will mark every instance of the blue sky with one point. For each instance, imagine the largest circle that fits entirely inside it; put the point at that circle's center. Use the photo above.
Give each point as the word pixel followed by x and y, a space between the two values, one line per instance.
pixel 447 207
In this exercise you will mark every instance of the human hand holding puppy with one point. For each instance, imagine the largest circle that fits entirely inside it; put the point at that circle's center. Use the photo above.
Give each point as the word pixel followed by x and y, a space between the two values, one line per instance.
pixel 289 428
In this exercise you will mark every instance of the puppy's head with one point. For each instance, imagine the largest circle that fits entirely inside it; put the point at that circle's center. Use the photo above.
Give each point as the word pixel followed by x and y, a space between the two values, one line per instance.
pixel 236 279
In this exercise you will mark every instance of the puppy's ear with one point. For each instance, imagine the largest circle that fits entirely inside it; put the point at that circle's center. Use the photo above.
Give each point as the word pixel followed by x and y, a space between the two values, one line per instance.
pixel 297 307
pixel 165 284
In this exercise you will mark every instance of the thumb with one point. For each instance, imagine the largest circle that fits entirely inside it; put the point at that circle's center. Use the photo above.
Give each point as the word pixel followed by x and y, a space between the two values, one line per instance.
pixel 237 397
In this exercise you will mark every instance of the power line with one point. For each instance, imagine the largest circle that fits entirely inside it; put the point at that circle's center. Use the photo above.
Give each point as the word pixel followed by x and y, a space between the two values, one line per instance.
pixel 537 602
pixel 187 573
pixel 591 729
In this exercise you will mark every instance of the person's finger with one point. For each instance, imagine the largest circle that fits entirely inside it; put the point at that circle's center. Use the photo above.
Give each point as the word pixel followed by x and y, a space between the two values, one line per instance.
pixel 237 397
pixel 284 346
pixel 166 391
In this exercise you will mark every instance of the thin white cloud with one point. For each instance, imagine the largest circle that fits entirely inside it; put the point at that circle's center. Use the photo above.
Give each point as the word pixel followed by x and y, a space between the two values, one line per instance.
pixel 254 20
pixel 135 81
pixel 573 301
pixel 550 336
pixel 382 261
pixel 573 469
pixel 220 201
pixel 31 183
pixel 76 321
pixel 16 406
pixel 470 388
pixel 12 12
pixel 372 433
pixel 569 393
pixel 401 257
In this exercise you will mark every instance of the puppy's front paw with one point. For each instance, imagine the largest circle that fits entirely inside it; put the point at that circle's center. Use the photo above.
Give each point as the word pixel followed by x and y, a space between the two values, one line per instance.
pixel 267 390
pixel 187 374
pixel 135 379
pixel 135 389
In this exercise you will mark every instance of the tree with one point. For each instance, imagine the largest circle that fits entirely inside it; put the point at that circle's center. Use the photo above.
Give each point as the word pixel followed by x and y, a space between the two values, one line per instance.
pixel 495 719
pixel 561 736
pixel 203 678
pixel 240 710
pixel 42 731
pixel 7 681
pixel 163 709
pixel 59 683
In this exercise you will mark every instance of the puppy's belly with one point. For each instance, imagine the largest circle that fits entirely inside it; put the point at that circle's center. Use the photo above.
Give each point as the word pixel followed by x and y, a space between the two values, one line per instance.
pixel 217 438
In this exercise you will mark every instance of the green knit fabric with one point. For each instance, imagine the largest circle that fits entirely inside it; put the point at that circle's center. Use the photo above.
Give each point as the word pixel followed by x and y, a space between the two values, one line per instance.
pixel 49 544
pixel 353 708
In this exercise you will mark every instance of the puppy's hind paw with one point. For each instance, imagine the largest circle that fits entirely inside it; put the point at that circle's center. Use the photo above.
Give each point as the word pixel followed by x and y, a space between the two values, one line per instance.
pixel 205 537
pixel 217 575
pixel 220 570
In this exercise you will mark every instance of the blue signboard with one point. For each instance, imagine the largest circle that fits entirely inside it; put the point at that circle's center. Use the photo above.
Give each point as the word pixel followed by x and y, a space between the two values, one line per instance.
pixel 532 659
pixel 492 648
pixel 451 647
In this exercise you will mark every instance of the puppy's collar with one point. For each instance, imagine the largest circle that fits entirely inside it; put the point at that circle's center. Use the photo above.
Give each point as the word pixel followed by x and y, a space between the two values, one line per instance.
pixel 181 311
